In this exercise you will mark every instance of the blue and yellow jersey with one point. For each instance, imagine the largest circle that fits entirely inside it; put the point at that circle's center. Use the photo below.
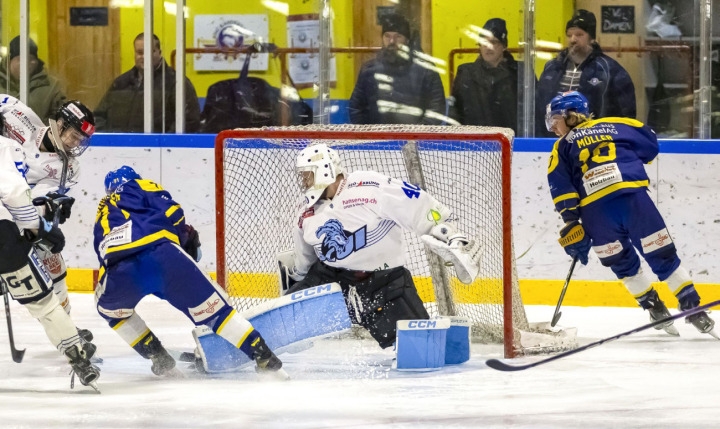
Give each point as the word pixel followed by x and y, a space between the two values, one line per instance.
pixel 599 159
pixel 138 215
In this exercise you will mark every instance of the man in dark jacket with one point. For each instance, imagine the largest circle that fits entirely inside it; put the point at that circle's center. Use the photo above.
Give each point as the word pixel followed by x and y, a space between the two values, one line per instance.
pixel 45 93
pixel 486 92
pixel 393 88
pixel 583 67
pixel 121 108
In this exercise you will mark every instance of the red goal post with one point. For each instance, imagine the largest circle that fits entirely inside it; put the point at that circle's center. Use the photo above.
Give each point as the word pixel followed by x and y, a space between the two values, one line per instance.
pixel 248 159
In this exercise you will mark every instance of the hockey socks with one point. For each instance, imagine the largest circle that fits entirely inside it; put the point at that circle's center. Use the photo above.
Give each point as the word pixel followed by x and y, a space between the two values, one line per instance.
pixel 238 332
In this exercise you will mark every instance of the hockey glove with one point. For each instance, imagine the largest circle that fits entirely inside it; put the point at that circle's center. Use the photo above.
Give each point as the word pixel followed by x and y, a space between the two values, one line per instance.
pixel 55 205
pixel 190 242
pixel 457 249
pixel 574 241
pixel 48 237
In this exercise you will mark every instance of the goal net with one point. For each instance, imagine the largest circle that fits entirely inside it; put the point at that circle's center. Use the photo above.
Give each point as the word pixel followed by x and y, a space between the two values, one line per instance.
pixel 466 168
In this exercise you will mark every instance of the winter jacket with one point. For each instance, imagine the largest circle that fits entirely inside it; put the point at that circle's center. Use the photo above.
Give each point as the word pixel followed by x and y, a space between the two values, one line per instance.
pixel 486 95
pixel 605 83
pixel 121 108
pixel 45 93
pixel 404 93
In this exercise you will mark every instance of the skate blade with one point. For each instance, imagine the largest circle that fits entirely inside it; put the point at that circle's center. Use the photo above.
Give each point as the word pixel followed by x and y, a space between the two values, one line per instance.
pixel 174 373
pixel 279 375
pixel 714 334
pixel 94 386
pixel 672 330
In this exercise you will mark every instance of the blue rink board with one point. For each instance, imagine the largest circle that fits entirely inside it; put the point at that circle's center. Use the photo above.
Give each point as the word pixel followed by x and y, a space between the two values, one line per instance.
pixel 207 141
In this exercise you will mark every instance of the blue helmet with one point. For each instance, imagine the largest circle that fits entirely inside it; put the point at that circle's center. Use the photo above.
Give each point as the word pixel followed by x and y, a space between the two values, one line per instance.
pixel 117 177
pixel 566 102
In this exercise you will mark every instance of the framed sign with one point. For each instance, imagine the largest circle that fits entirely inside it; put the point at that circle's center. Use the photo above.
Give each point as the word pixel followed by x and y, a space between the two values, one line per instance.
pixel 229 31
pixel 617 19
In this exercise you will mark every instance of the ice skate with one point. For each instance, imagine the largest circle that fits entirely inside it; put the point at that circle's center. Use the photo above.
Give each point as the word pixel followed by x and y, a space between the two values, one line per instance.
pixel 267 362
pixel 85 334
pixel 703 323
pixel 85 371
pixel 163 364
pixel 659 311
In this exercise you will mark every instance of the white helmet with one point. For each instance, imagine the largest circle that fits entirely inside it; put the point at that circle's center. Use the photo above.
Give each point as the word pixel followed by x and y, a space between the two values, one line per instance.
pixel 324 164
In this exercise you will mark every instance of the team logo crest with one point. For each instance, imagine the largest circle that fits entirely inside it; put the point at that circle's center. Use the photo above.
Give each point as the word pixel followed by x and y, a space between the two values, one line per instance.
pixel 339 243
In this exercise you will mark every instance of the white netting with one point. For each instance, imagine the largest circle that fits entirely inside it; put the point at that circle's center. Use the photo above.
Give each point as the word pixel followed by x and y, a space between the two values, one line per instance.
pixel 261 193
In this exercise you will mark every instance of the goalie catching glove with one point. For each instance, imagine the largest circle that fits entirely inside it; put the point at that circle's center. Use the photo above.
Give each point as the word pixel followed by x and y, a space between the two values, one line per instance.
pixel 574 241
pixel 55 205
pixel 457 249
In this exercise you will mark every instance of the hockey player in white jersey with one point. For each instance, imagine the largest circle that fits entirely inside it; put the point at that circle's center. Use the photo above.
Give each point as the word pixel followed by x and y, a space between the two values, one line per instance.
pixel 350 231
pixel 70 132
pixel 22 274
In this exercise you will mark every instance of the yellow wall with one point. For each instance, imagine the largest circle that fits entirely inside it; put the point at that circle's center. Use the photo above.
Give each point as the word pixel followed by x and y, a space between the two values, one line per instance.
pixel 38 24
pixel 450 19
pixel 131 23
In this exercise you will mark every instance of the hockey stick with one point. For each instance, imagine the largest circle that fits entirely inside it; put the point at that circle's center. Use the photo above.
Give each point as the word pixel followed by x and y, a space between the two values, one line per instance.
pixel 502 366
pixel 17 355
pixel 558 313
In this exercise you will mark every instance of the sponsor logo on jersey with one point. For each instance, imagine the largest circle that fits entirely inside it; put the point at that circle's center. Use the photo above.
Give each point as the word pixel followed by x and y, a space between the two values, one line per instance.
pixel 434 216
pixel 656 240
pixel 53 265
pixel 118 236
pixel 120 313
pixel 24 120
pixel 608 250
pixel 207 308
pixel 51 173
pixel 364 183
pixel 337 243
pixel 354 202
pixel 306 214
pixel 601 177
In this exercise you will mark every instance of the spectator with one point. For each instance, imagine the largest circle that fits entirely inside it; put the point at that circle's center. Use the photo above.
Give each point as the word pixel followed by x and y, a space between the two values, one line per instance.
pixel 583 67
pixel 486 92
pixel 397 87
pixel 45 93
pixel 121 108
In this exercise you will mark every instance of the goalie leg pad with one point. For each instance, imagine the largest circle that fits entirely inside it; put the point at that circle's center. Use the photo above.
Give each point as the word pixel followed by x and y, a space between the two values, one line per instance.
pixel 457 345
pixel 284 322
pixel 421 344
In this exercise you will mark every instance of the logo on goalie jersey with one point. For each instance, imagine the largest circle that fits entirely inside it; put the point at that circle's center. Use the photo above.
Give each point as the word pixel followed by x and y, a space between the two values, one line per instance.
pixel 338 243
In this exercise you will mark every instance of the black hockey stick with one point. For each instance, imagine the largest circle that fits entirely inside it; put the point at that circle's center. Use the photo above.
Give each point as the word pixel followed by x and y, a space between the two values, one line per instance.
pixel 502 366
pixel 558 313
pixel 17 355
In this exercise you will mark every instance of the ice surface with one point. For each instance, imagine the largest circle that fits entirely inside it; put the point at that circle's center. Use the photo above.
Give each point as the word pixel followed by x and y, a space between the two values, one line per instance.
pixel 647 380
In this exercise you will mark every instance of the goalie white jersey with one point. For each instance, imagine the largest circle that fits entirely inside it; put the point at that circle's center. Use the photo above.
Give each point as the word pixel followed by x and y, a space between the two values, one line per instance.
pixel 361 227
pixel 25 127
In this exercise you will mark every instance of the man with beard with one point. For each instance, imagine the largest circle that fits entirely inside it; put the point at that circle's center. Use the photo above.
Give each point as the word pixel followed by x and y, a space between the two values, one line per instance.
pixel 583 67
pixel 397 87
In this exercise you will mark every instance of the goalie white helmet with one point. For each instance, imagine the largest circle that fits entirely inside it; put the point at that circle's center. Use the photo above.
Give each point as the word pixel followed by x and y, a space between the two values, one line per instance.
pixel 317 167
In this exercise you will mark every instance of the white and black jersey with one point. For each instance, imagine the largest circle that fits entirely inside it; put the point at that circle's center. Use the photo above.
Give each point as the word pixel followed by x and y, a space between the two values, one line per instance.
pixel 25 127
pixel 14 191
pixel 360 228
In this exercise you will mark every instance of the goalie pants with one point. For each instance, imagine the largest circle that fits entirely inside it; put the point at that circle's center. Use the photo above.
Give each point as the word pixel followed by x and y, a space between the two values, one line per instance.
pixel 375 299
pixel 619 225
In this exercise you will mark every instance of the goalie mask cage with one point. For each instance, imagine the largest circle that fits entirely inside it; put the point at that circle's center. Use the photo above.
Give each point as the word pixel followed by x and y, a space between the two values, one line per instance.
pixel 466 168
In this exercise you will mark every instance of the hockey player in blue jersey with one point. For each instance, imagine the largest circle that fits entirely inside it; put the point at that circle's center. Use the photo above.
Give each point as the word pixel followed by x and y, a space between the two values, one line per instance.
pixel 600 188
pixel 145 247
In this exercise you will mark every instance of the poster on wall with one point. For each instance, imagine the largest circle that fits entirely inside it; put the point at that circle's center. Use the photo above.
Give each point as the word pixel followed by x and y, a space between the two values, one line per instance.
pixel 618 19
pixel 229 31
pixel 303 31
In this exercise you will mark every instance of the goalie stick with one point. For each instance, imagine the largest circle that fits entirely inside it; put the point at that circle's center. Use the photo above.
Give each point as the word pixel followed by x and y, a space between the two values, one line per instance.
pixel 558 313
pixel 502 366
